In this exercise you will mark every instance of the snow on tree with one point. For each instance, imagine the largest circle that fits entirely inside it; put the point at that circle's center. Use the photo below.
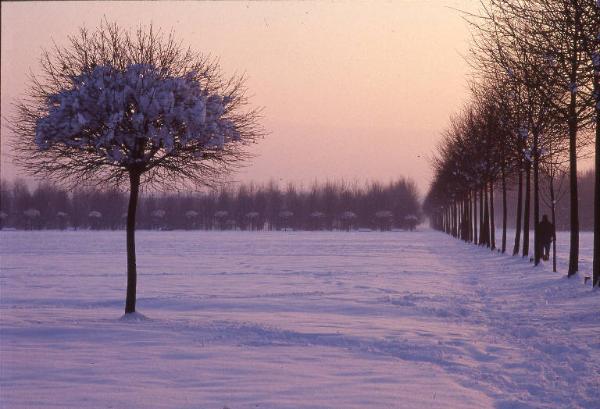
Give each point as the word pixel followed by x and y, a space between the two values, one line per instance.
pixel 347 219
pixel 62 219
pixel 132 108
pixel 94 217
pixel 32 215
pixel 191 214
pixel 384 214
pixel 221 214
pixel 348 215
pixel 159 213
pixel 384 219
pixel 220 217
pixel 286 214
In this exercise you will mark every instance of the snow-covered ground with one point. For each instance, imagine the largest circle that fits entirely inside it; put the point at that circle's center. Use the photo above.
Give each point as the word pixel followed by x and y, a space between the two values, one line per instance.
pixel 292 320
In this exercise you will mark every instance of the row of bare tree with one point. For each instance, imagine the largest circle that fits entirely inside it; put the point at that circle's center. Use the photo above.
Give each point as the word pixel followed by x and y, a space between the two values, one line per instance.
pixel 533 113
pixel 326 206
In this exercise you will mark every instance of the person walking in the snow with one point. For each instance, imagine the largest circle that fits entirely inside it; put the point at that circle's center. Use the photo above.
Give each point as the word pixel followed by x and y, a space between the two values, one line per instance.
pixel 546 235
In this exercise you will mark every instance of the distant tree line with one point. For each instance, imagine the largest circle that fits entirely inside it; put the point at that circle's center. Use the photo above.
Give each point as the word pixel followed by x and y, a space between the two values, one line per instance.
pixel 325 206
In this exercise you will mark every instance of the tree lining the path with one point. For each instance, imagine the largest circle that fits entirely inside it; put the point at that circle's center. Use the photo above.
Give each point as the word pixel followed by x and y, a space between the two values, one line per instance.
pixel 533 114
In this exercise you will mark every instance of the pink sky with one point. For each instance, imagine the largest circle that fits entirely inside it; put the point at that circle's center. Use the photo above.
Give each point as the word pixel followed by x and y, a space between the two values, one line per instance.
pixel 353 90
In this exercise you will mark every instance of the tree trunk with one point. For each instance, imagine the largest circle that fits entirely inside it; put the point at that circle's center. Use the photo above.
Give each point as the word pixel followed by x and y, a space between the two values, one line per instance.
pixel 467 207
pixel 458 218
pixel 455 216
pixel 526 215
pixel 553 210
pixel 134 182
pixel 464 221
pixel 492 218
pixel 452 219
pixel 596 262
pixel 446 221
pixel 486 217
pixel 471 215
pixel 475 216
pixel 574 200
pixel 536 199
pixel 517 246
pixel 504 215
pixel 453 212
pixel 574 203
pixel 481 218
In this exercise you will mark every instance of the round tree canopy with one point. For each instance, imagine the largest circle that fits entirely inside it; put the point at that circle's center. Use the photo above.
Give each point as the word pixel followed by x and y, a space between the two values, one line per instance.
pixel 115 104
pixel 115 113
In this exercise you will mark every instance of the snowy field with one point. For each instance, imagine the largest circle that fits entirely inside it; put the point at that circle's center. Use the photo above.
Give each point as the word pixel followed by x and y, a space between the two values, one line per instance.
pixel 292 320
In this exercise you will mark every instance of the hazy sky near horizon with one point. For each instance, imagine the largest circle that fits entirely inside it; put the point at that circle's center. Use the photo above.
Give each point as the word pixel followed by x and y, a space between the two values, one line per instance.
pixel 352 90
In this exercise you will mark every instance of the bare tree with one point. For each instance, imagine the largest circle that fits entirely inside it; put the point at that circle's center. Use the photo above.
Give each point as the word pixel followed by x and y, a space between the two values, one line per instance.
pixel 132 108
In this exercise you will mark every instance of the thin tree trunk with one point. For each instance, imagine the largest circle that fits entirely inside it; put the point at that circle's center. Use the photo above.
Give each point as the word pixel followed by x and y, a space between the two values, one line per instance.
pixel 504 213
pixel 134 181
pixel 471 214
pixel 486 216
pixel 481 218
pixel 596 262
pixel 574 200
pixel 463 221
pixel 526 215
pixel 517 246
pixel 492 218
pixel 457 217
pixel 574 211
pixel 536 199
pixel 467 221
pixel 466 207
pixel 454 219
pixel 444 221
pixel 475 216
pixel 553 210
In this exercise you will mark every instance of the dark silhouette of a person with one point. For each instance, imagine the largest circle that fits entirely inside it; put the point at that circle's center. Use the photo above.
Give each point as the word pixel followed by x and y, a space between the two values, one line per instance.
pixel 546 235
